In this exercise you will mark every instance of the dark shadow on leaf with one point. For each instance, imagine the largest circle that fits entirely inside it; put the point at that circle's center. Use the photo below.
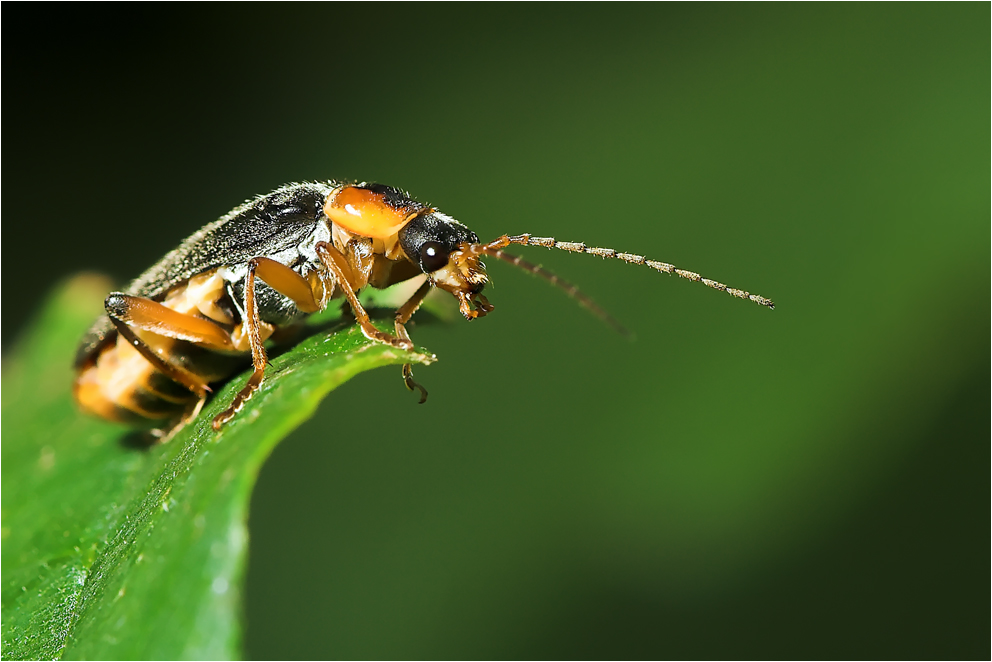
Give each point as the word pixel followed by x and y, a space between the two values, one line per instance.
pixel 138 439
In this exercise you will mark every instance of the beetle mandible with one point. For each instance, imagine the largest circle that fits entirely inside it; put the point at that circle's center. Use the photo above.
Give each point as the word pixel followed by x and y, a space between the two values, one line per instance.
pixel 193 318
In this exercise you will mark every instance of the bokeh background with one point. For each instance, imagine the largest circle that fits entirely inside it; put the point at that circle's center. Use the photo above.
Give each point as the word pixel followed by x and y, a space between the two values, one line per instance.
pixel 811 482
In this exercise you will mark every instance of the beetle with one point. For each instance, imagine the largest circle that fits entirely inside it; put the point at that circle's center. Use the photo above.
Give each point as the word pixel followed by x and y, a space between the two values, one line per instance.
pixel 195 317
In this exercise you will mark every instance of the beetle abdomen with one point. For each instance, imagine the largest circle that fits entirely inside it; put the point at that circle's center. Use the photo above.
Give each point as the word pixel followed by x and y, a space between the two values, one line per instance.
pixel 121 386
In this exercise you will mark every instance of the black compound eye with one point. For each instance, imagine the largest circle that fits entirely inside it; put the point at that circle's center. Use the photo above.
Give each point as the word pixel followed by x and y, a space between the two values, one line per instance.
pixel 433 256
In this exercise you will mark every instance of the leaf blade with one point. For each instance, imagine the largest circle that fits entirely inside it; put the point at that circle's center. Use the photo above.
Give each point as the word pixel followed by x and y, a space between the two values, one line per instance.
pixel 115 552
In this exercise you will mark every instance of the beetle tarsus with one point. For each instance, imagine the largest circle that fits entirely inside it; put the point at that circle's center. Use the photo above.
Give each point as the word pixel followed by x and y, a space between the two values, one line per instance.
pixel 413 385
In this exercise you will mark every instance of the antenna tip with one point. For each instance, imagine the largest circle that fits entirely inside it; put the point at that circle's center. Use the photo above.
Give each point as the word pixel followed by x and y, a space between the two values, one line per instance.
pixel 762 301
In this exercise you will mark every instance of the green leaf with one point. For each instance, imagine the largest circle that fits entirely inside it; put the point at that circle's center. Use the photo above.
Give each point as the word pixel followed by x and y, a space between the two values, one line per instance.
pixel 113 549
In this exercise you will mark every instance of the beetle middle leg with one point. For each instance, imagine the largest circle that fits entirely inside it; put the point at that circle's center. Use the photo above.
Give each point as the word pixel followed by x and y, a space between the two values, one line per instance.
pixel 327 254
pixel 286 282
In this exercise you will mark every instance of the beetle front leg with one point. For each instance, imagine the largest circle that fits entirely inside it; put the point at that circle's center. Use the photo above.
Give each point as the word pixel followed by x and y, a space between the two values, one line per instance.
pixel 403 316
pixel 329 256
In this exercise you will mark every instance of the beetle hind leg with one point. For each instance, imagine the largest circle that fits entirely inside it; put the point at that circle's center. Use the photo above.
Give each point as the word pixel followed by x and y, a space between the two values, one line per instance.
pixel 164 435
pixel 129 313
pixel 142 323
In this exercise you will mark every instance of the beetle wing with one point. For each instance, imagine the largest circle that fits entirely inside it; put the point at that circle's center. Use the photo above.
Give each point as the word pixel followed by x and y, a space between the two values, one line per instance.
pixel 261 227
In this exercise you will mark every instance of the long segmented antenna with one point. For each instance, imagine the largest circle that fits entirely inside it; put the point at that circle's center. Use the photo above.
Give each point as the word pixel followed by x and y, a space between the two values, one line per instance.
pixel 494 247
pixel 570 289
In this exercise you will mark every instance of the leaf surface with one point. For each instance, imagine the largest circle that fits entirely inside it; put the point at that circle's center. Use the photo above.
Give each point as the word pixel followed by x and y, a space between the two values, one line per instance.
pixel 116 550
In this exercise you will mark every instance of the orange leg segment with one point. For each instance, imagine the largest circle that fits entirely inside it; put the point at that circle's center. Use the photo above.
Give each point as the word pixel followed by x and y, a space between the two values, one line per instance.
pixel 130 312
pixel 327 255
pixel 286 282
pixel 148 315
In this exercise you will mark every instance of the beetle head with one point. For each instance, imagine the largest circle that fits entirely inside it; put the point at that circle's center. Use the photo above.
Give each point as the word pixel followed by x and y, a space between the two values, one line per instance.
pixel 438 244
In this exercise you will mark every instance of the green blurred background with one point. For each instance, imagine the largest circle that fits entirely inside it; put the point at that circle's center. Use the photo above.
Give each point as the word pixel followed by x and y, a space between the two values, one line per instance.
pixel 811 482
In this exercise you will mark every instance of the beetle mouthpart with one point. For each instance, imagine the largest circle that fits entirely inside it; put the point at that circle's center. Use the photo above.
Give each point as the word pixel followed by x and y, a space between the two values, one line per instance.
pixel 464 277
pixel 468 266
pixel 467 299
